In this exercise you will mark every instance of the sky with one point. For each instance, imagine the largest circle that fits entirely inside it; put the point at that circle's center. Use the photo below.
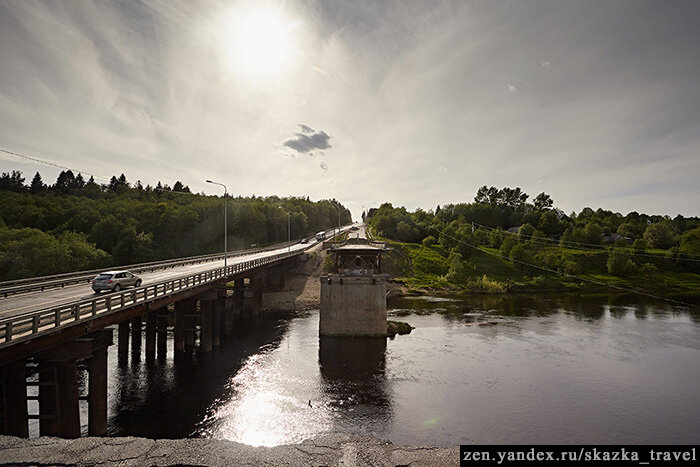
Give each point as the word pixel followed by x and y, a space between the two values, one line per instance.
pixel 594 102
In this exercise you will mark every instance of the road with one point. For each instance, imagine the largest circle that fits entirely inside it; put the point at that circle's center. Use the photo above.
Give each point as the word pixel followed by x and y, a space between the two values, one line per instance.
pixel 17 304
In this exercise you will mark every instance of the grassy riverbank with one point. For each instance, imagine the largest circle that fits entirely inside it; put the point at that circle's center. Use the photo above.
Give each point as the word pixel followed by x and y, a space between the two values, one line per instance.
pixel 429 269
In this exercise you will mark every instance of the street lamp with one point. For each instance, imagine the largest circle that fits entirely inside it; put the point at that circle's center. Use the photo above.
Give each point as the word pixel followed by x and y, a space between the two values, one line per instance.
pixel 225 222
pixel 289 228
pixel 338 210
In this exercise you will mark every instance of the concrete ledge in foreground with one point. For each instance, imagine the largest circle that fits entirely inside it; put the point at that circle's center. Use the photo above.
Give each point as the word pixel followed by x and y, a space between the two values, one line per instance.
pixel 331 450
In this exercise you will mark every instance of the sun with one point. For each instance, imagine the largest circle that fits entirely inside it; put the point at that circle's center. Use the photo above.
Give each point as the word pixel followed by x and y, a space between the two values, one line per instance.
pixel 258 41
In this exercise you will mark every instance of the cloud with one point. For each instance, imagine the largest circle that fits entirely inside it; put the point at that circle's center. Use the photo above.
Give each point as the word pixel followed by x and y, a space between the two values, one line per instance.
pixel 308 141
pixel 442 169
pixel 546 64
pixel 324 166
pixel 512 88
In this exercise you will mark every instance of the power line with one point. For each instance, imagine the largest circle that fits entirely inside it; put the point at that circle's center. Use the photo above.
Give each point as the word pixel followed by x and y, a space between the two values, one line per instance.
pixel 101 177
pixel 53 164
pixel 562 273
pixel 573 245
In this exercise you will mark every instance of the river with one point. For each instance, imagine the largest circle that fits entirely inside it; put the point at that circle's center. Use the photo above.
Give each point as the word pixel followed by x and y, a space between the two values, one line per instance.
pixel 515 369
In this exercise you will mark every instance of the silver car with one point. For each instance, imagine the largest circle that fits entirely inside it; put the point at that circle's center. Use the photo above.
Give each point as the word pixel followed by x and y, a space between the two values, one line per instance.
pixel 114 281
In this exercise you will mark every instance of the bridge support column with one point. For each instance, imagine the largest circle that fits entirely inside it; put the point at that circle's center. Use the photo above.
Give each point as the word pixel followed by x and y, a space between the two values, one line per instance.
pixel 207 325
pixel 136 335
pixel 68 410
pixel 238 294
pixel 97 393
pixel 48 417
pixel 151 317
pixel 190 323
pixel 162 333
pixel 14 403
pixel 229 315
pixel 123 346
pixel 180 309
pixel 258 285
pixel 280 278
pixel 59 411
pixel 219 305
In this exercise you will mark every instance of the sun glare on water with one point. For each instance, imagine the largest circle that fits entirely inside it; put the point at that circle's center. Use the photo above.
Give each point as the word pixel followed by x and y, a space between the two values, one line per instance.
pixel 259 41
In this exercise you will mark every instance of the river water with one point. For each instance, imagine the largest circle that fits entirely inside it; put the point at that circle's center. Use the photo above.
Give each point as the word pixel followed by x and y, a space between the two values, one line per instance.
pixel 516 369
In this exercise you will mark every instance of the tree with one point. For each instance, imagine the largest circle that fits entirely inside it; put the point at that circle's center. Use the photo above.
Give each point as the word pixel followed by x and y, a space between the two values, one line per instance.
pixel 79 182
pixel 520 255
pixel 13 181
pixel 639 245
pixel 526 231
pixel 543 201
pixel 458 271
pixel 37 185
pixel 619 264
pixel 659 235
pixel 549 223
pixel 113 183
pixel 65 183
pixel 690 242
pixel 180 188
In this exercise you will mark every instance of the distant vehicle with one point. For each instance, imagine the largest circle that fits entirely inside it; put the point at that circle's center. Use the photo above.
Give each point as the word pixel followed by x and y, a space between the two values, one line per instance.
pixel 321 236
pixel 304 240
pixel 114 281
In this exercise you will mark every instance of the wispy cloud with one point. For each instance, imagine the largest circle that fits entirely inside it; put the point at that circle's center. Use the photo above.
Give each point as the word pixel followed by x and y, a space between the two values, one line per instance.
pixel 402 87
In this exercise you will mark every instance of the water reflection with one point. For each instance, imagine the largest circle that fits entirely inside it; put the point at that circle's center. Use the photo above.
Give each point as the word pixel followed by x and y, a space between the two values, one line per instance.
pixel 486 369
pixel 169 398
pixel 353 371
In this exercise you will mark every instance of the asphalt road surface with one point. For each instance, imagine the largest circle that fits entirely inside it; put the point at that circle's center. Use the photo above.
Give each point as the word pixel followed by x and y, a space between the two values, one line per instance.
pixel 33 301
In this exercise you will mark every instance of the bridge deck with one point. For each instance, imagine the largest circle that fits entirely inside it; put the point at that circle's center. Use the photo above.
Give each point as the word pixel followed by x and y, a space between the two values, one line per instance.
pixel 20 304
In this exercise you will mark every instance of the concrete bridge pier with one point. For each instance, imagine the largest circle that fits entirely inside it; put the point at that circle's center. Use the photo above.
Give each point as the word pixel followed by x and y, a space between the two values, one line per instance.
pixel 238 294
pixel 219 310
pixel 59 410
pixel 123 345
pixel 206 309
pixel 151 317
pixel 180 309
pixel 191 318
pixel 211 305
pixel 13 399
pixel 136 324
pixel 232 314
pixel 162 333
pixel 274 278
pixel 257 283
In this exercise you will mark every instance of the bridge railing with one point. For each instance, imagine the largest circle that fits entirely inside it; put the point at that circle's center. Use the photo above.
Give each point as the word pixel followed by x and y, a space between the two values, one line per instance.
pixel 25 326
pixel 61 280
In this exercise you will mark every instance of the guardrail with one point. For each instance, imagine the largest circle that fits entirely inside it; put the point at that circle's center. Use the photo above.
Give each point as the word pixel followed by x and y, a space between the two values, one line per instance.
pixel 25 326
pixel 61 280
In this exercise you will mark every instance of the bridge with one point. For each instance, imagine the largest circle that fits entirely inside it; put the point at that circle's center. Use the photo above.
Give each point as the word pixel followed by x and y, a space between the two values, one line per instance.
pixel 55 325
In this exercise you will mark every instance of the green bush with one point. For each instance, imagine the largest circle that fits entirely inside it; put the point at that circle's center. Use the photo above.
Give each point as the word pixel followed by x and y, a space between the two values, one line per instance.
pixel 620 265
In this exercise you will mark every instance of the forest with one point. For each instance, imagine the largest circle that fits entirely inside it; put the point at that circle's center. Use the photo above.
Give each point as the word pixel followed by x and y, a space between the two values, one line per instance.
pixel 76 224
pixel 501 239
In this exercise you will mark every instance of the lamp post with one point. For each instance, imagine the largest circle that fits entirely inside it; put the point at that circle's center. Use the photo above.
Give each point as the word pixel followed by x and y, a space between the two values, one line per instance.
pixel 338 210
pixel 289 229
pixel 225 222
